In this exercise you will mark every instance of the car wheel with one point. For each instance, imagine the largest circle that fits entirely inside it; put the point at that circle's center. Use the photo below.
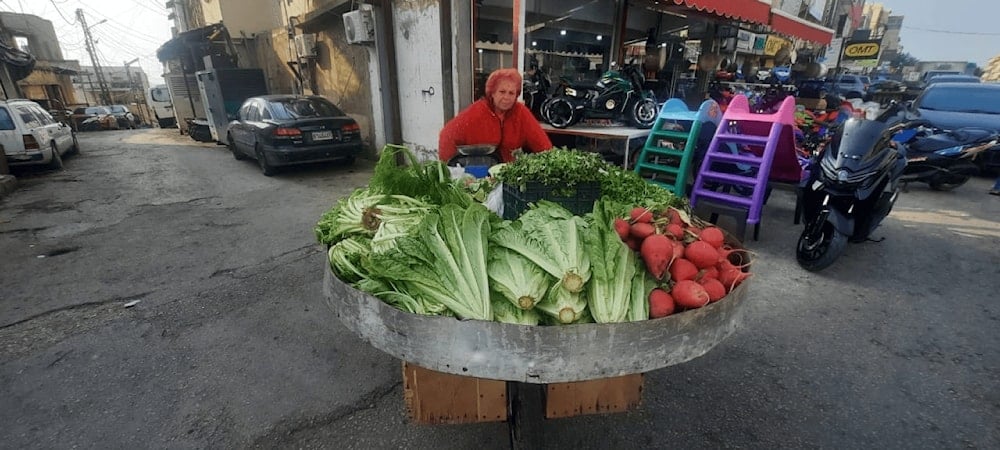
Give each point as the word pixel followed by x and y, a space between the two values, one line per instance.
pixel 232 148
pixel 57 162
pixel 265 168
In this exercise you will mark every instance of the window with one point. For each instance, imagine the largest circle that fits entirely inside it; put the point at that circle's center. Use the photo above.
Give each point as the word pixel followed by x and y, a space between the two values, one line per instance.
pixel 977 100
pixel 294 108
pixel 43 116
pixel 253 114
pixel 6 121
pixel 29 119
pixel 160 94
pixel 22 44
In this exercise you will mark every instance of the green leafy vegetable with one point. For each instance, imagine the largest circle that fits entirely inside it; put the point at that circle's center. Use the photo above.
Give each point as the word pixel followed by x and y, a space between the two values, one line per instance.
pixel 564 306
pixel 516 279
pixel 612 263
pixel 557 168
pixel 429 180
pixel 504 311
pixel 443 261
pixel 549 236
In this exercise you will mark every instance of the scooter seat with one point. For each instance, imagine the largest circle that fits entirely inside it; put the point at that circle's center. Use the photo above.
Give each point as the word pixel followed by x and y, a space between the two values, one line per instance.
pixel 948 139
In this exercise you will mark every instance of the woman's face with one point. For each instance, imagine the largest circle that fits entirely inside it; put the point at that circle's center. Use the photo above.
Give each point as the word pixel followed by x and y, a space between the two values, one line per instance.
pixel 505 96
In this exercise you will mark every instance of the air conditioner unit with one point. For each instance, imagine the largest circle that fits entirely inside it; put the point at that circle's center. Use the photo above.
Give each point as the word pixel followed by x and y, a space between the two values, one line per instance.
pixel 359 25
pixel 305 45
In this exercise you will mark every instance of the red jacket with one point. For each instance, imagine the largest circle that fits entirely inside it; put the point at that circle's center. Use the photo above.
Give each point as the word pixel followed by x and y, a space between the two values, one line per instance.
pixel 477 124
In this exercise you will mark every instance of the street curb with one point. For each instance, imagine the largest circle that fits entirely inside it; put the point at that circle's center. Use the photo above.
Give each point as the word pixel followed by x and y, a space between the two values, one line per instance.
pixel 8 183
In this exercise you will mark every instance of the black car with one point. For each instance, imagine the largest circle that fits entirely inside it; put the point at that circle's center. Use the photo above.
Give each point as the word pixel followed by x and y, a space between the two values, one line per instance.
pixel 958 105
pixel 125 118
pixel 282 130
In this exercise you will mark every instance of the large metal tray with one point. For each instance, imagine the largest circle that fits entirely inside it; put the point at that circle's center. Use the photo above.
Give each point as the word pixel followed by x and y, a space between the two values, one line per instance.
pixel 534 354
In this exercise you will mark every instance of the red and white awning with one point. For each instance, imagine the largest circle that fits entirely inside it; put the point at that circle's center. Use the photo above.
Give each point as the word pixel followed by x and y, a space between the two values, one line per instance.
pixel 754 11
pixel 787 24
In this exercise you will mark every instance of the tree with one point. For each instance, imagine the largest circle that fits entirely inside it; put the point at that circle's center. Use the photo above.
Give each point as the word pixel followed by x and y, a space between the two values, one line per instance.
pixel 903 59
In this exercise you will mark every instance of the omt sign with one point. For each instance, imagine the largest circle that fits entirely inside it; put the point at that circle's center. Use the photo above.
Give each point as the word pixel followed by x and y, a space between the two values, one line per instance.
pixel 862 50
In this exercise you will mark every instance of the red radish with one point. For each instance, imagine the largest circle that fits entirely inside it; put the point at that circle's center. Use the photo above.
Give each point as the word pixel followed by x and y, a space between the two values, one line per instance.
pixel 622 227
pixel 713 235
pixel 678 248
pixel 711 272
pixel 657 253
pixel 702 254
pixel 714 288
pixel 675 216
pixel 731 278
pixel 641 230
pixel 689 294
pixel 633 243
pixel 675 230
pixel 661 304
pixel 642 215
pixel 683 269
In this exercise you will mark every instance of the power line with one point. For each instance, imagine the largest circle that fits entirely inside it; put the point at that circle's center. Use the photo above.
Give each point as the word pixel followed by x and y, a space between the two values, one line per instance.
pixel 61 14
pixel 967 33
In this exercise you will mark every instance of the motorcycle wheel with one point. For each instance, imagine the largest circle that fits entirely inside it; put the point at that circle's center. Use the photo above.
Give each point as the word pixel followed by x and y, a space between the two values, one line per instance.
pixel 947 183
pixel 819 246
pixel 643 113
pixel 559 112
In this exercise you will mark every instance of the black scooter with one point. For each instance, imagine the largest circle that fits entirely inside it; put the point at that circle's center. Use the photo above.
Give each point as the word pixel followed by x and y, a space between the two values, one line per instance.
pixel 852 184
pixel 943 159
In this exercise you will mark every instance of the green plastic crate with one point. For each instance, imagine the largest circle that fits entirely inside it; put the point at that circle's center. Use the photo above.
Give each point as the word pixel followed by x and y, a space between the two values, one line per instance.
pixel 516 201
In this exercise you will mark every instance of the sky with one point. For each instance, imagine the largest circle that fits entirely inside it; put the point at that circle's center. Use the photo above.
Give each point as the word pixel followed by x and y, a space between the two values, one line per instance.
pixel 950 30
pixel 134 29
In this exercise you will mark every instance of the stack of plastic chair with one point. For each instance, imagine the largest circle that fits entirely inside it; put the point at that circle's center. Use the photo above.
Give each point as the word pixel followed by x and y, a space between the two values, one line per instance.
pixel 670 147
pixel 767 145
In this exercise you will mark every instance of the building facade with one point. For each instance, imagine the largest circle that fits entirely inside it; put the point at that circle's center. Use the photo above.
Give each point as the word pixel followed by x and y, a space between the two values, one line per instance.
pixel 125 84
pixel 50 82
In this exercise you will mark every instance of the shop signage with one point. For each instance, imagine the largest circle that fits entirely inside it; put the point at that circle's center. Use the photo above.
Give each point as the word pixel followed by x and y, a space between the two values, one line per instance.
pixel 745 41
pixel 858 50
pixel 759 42
pixel 775 43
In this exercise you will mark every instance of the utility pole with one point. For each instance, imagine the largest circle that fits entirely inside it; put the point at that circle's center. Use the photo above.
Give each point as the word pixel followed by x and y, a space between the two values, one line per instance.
pixel 89 40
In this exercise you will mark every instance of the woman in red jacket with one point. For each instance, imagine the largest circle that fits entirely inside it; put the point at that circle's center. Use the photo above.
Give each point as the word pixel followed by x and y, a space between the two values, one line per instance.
pixel 496 119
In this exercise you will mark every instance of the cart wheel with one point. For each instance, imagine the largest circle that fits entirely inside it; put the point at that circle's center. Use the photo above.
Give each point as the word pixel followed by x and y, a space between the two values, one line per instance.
pixel 524 415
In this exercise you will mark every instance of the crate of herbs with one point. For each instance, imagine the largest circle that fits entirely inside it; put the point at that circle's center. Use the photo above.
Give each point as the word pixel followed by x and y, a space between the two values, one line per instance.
pixel 571 178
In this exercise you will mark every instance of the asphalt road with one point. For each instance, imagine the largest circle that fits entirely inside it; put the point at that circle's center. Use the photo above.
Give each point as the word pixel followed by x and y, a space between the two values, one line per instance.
pixel 230 344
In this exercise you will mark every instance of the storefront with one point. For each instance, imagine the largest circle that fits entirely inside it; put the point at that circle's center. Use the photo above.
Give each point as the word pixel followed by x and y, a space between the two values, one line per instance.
pixel 680 45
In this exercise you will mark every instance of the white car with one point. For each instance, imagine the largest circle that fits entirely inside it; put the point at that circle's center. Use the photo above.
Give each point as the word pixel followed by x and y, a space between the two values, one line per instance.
pixel 30 136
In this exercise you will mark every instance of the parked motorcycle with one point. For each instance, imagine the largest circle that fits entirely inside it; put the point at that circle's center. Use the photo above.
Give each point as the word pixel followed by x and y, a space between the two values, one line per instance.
pixel 617 95
pixel 852 185
pixel 535 90
pixel 943 159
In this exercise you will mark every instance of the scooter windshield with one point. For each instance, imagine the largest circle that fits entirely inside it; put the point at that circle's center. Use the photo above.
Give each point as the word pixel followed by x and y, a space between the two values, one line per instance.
pixel 857 140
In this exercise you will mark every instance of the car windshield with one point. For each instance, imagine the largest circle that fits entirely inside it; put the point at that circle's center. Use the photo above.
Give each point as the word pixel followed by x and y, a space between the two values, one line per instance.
pixel 6 122
pixel 92 110
pixel 160 94
pixel 117 109
pixel 294 108
pixel 978 99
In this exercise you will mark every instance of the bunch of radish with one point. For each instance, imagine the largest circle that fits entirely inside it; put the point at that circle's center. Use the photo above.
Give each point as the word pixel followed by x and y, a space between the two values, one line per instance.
pixel 693 265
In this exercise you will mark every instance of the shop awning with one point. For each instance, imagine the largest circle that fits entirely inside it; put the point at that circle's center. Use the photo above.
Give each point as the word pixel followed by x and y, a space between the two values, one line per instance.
pixel 754 11
pixel 784 23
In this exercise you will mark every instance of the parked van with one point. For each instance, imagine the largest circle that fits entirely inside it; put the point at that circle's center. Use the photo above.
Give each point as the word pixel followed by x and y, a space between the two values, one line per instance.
pixel 30 136
pixel 163 109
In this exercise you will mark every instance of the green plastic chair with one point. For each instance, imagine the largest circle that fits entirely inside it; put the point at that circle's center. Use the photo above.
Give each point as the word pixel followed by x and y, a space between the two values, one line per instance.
pixel 666 157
